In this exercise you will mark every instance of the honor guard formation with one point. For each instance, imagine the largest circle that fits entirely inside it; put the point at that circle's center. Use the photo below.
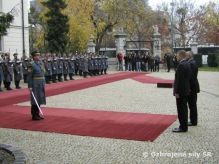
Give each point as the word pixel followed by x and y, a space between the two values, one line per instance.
pixel 57 68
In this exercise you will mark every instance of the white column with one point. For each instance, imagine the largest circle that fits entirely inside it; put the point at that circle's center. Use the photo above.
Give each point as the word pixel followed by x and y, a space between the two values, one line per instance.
pixel 156 42
pixel 120 42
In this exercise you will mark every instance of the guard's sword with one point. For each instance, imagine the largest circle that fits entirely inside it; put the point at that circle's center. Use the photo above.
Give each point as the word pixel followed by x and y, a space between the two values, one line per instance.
pixel 36 103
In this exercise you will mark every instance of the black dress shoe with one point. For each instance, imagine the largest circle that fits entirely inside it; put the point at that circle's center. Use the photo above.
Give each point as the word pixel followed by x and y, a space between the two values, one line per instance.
pixel 191 124
pixel 36 118
pixel 178 130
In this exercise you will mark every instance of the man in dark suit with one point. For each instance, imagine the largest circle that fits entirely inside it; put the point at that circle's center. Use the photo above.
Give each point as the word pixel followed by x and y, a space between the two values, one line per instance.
pixel 167 58
pixel 182 90
pixel 194 86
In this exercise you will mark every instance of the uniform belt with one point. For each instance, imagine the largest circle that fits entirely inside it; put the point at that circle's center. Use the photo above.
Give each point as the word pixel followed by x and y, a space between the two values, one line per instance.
pixel 38 78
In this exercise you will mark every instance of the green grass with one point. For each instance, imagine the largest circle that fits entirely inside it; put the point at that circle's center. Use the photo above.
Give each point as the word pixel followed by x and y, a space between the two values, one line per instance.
pixel 210 69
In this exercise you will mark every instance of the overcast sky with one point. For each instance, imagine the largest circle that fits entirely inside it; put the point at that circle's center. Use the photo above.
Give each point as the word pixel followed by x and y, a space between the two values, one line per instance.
pixel 154 3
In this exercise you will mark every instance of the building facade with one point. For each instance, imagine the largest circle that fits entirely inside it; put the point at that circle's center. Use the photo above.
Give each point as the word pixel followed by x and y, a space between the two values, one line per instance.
pixel 17 39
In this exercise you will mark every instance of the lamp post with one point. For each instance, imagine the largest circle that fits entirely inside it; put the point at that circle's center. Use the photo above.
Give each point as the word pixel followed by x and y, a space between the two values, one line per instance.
pixel 32 37
pixel 22 18
pixel 172 34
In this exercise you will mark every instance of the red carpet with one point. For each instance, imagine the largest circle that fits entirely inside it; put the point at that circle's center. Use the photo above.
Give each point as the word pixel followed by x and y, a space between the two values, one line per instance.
pixel 151 80
pixel 17 96
pixel 120 125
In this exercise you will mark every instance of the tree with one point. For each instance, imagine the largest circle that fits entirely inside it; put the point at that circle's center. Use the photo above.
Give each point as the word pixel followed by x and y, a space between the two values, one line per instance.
pixel 37 20
pixel 80 31
pixel 111 14
pixel 210 21
pixel 56 26
pixel 186 20
pixel 5 21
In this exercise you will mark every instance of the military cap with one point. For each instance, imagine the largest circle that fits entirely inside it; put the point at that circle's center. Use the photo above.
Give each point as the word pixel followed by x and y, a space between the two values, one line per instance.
pixel 35 53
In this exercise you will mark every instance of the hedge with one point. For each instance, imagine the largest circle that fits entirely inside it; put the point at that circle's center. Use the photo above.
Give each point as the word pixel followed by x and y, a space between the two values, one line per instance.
pixel 198 59
pixel 212 60
pixel 217 59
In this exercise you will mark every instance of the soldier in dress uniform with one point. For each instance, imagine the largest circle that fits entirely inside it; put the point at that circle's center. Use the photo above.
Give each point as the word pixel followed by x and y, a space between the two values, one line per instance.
pixel 60 69
pixel 8 71
pixel 101 65
pixel 17 73
pixel 36 84
pixel 65 68
pixel 48 70
pixel 71 66
pixel 105 64
pixel 17 69
pixel 1 73
pixel 80 67
pixel 25 63
pixel 90 65
pixel 54 68
pixel 77 65
pixel 85 66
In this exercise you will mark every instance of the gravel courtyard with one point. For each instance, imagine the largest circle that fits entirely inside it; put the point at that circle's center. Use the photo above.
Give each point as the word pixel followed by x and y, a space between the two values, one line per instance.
pixel 199 145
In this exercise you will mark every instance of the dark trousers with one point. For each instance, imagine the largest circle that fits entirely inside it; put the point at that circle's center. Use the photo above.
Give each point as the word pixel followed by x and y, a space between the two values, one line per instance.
pixel 76 71
pixel 35 111
pixel 133 66
pixel 80 72
pixel 48 79
pixel 71 76
pixel 192 102
pixel 7 85
pixel 54 78
pixel 17 83
pixel 101 71
pixel 0 85
pixel 152 68
pixel 85 74
pixel 168 67
pixel 157 67
pixel 25 78
pixel 60 77
pixel 65 77
pixel 182 111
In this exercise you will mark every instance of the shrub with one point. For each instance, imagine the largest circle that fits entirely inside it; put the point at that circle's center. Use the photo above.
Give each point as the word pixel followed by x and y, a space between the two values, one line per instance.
pixel 198 59
pixel 217 59
pixel 212 62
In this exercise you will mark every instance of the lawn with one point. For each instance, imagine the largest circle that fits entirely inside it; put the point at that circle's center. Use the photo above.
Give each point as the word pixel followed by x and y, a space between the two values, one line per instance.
pixel 210 69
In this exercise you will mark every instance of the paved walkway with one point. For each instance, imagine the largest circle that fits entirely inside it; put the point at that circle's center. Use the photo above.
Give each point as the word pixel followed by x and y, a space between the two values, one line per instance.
pixel 199 145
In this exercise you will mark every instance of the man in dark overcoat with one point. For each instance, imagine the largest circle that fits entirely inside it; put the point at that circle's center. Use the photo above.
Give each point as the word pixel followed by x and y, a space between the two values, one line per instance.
pixel 195 88
pixel 182 90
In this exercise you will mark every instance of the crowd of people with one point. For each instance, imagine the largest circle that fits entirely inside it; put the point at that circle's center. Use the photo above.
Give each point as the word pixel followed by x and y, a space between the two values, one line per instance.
pixel 141 62
pixel 57 68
